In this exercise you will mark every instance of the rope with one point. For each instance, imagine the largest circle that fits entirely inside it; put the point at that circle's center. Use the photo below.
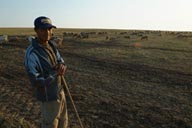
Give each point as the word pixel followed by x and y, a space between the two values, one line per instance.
pixel 65 84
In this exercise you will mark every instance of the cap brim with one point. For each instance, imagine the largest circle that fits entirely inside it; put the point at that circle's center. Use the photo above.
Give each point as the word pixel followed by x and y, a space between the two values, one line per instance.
pixel 54 26
pixel 48 26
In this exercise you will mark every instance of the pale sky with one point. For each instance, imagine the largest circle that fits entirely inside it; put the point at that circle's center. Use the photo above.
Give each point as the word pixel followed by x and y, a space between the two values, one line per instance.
pixel 171 15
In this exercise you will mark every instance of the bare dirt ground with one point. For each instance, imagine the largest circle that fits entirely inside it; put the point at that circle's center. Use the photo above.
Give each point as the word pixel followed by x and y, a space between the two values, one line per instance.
pixel 107 93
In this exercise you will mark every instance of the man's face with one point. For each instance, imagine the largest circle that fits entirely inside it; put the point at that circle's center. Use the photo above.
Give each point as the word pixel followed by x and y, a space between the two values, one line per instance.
pixel 44 35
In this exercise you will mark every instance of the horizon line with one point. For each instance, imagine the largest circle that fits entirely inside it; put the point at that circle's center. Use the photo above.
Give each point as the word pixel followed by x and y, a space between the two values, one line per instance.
pixel 123 29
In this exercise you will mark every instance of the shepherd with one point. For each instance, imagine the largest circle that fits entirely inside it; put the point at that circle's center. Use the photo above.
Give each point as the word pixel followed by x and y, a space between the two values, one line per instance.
pixel 45 68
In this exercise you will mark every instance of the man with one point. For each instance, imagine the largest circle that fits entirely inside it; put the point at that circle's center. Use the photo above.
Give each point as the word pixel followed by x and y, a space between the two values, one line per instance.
pixel 45 67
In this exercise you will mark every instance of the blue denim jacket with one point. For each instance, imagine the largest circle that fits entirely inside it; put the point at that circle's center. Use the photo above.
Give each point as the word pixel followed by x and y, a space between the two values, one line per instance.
pixel 41 73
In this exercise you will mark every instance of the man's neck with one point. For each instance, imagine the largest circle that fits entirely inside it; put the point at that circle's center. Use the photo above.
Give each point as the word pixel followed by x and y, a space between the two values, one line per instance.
pixel 41 42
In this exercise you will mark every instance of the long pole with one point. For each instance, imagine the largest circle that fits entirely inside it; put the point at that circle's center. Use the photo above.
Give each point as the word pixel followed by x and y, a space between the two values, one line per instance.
pixel 65 84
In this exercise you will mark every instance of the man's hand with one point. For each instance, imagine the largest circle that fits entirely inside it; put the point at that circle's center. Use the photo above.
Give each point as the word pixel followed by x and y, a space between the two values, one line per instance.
pixel 60 69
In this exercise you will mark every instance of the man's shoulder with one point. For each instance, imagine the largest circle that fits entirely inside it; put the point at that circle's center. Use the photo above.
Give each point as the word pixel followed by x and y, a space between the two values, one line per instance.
pixel 33 44
pixel 29 48
pixel 52 43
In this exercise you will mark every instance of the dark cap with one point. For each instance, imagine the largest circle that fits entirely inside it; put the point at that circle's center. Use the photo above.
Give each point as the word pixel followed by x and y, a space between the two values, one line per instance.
pixel 43 22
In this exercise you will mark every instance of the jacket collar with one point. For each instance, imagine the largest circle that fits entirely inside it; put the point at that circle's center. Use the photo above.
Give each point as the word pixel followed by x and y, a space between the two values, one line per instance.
pixel 35 43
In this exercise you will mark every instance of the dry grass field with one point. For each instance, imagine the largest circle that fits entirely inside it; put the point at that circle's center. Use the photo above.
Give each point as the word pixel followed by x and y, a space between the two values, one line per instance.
pixel 117 78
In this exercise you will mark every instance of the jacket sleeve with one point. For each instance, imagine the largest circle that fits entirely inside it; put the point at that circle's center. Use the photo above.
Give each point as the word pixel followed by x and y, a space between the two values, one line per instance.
pixel 35 73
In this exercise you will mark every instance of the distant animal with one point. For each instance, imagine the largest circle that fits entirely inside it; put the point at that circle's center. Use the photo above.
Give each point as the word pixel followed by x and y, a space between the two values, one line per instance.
pixel 184 36
pixel 127 37
pixel 122 33
pixel 84 35
pixel 107 37
pixel 144 38
pixel 57 41
pixel 102 33
pixel 13 39
pixel 3 38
